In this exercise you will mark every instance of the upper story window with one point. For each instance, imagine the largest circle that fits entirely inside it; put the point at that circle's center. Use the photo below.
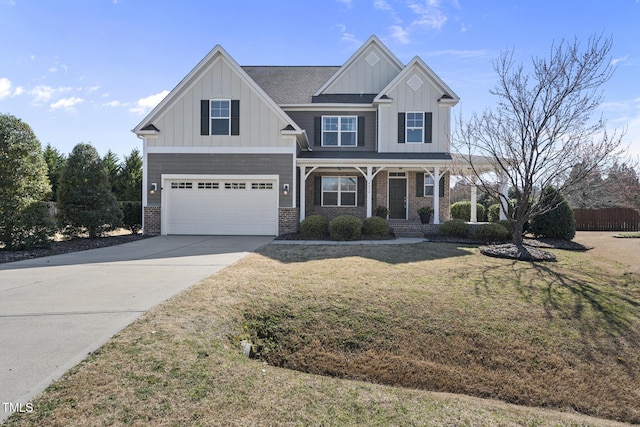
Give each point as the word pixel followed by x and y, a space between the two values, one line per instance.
pixel 220 116
pixel 339 131
pixel 415 128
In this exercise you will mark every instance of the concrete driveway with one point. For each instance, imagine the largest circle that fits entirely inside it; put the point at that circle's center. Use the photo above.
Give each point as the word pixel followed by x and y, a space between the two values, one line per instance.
pixel 56 310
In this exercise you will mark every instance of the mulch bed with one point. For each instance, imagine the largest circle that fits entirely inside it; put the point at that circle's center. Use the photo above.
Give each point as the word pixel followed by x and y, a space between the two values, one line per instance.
pixel 67 246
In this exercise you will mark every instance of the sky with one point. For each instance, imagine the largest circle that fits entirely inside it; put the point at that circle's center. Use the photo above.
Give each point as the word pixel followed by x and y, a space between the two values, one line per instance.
pixel 90 70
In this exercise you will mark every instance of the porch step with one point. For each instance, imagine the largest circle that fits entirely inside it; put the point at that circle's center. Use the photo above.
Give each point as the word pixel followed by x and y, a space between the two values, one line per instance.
pixel 406 228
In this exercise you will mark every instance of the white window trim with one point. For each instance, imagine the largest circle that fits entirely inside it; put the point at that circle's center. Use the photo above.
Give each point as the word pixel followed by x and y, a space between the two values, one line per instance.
pixel 228 118
pixel 407 128
pixel 355 199
pixel 355 132
pixel 424 186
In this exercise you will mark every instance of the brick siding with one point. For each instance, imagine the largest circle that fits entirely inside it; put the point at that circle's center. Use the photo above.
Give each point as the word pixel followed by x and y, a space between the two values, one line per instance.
pixel 152 218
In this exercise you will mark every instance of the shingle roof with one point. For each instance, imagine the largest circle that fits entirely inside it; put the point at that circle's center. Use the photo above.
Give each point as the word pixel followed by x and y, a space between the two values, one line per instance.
pixel 290 84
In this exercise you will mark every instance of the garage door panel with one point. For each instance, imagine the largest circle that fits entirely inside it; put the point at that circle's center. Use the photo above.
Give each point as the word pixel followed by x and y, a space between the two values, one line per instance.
pixel 233 207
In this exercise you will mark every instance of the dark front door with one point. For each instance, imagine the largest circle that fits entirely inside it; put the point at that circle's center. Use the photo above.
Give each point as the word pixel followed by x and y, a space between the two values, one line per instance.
pixel 398 198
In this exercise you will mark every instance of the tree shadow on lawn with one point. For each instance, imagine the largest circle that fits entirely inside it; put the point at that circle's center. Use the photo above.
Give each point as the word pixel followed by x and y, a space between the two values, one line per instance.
pixel 596 301
pixel 389 254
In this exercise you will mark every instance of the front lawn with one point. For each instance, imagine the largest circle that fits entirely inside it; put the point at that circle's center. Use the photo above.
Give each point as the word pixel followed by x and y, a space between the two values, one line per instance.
pixel 414 318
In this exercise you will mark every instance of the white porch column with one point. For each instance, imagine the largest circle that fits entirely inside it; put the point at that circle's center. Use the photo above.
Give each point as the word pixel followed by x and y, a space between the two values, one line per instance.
pixel 504 199
pixel 369 179
pixel 436 195
pixel 474 201
pixel 303 192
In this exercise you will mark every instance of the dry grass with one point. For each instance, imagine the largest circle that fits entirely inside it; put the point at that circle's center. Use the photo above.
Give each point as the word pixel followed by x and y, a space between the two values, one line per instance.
pixel 424 317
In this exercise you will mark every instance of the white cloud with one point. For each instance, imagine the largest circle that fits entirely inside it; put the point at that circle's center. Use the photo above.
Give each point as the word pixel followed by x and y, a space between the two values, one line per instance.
pixel 67 104
pixel 381 5
pixel 347 3
pixel 616 61
pixel 43 93
pixel 462 54
pixel 6 89
pixel 399 34
pixel 144 105
pixel 430 15
pixel 114 104
pixel 348 37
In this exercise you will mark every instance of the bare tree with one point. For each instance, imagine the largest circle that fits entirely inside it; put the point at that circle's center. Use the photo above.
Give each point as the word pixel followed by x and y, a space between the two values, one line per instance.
pixel 542 126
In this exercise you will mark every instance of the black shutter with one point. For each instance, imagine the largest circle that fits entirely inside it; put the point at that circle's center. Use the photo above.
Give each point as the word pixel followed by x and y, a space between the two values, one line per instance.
pixel 317 131
pixel 428 138
pixel 441 186
pixel 360 131
pixel 317 190
pixel 235 117
pixel 419 184
pixel 361 190
pixel 204 117
pixel 401 124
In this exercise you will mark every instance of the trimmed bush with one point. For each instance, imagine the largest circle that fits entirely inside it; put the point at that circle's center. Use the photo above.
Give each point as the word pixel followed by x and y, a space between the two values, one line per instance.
pixel 345 227
pixel 314 226
pixel 508 225
pixel 493 213
pixel 559 222
pixel 32 227
pixel 462 210
pixel 375 226
pixel 490 233
pixel 131 215
pixel 455 228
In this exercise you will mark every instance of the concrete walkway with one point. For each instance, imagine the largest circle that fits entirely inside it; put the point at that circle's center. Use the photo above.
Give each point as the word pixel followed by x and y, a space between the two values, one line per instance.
pixel 54 311
pixel 398 241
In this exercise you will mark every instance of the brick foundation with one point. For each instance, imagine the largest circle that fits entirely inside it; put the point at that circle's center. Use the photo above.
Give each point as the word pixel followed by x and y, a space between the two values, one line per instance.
pixel 152 218
pixel 288 220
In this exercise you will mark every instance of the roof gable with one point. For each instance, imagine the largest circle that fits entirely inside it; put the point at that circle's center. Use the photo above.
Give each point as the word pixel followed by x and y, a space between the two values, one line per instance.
pixel 449 97
pixel 215 55
pixel 368 70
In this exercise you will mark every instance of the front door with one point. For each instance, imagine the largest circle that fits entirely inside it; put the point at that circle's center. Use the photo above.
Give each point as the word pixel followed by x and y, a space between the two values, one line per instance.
pixel 398 198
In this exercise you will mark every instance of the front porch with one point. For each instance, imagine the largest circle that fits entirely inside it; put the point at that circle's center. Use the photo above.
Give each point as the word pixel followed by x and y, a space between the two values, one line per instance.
pixel 361 190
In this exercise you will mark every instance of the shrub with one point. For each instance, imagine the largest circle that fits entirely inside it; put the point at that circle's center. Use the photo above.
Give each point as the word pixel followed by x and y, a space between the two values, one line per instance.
pixel 455 228
pixel 314 226
pixel 559 222
pixel 382 212
pixel 375 226
pixel 508 225
pixel 493 213
pixel 131 215
pixel 32 227
pixel 85 201
pixel 425 213
pixel 490 233
pixel 462 210
pixel 23 183
pixel 345 227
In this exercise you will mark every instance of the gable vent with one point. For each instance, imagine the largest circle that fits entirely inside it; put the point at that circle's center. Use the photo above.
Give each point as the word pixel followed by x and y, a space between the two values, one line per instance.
pixel 415 82
pixel 372 59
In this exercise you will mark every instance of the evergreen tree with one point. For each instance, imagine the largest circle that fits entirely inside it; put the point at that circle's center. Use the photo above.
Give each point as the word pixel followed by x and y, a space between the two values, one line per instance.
pixel 558 221
pixel 130 177
pixel 111 165
pixel 55 163
pixel 24 220
pixel 85 200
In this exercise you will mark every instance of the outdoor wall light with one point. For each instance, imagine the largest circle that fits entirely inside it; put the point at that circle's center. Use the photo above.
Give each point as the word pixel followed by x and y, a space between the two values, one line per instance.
pixel 285 189
pixel 153 188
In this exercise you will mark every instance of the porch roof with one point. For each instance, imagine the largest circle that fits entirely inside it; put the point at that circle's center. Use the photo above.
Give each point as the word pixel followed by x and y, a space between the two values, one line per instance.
pixel 342 158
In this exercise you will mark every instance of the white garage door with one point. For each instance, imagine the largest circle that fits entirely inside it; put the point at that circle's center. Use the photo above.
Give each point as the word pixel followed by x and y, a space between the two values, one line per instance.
pixel 230 206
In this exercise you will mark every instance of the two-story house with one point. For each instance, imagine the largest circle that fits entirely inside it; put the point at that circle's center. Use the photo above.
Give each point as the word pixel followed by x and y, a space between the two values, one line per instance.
pixel 255 149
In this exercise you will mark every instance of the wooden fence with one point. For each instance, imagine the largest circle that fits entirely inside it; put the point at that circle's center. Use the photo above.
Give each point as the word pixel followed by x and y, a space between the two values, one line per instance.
pixel 610 219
